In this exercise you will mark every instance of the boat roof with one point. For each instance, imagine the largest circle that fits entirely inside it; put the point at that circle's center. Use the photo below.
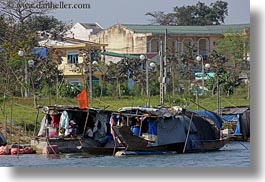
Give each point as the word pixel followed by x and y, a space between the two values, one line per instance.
pixel 230 110
pixel 158 111
pixel 55 109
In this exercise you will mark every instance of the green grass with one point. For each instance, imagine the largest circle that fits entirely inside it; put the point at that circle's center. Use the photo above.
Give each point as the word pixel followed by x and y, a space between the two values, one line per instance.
pixel 22 110
pixel 23 113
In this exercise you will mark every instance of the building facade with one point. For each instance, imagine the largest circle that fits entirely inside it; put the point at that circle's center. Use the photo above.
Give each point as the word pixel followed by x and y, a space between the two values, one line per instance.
pixel 174 40
pixel 73 59
pixel 83 30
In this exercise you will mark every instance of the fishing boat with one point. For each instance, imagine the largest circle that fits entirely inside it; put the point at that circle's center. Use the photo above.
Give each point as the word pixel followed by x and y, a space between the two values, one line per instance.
pixel 69 129
pixel 164 130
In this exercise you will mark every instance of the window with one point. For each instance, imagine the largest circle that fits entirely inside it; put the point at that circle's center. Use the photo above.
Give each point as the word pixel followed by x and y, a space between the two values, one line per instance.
pixel 72 57
pixel 75 83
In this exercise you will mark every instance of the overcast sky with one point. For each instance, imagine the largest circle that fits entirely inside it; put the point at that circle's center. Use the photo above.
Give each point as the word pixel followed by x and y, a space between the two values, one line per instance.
pixel 110 12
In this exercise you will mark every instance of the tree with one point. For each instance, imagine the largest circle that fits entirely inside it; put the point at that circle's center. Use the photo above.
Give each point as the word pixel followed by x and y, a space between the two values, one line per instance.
pixel 161 18
pixel 233 46
pixel 48 26
pixel 19 10
pixel 18 34
pixel 225 78
pixel 18 27
pixel 198 14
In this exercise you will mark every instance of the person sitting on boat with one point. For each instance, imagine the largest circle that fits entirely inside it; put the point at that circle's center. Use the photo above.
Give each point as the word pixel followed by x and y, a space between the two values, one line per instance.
pixel 113 122
pixel 122 121
pixel 73 128
pixel 136 128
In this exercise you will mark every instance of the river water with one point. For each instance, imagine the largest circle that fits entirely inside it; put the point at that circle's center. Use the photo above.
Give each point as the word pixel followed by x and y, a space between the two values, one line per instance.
pixel 233 154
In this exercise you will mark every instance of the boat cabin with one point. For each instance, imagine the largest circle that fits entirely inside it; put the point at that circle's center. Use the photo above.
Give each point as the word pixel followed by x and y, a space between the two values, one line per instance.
pixel 67 127
pixel 169 129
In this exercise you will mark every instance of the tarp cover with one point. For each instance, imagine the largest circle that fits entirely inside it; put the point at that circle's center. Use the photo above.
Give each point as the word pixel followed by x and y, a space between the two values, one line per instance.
pixel 230 118
pixel 39 53
pixel 173 130
pixel 217 120
pixel 243 123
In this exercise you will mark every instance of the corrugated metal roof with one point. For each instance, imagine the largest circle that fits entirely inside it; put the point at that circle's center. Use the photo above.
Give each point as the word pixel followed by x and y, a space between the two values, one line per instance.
pixel 114 54
pixel 91 25
pixel 233 110
pixel 213 29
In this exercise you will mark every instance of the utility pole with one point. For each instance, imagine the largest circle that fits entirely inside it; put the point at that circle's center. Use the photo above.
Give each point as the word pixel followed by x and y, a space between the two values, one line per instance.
pixel 165 63
pixel 90 80
pixel 161 80
pixel 163 68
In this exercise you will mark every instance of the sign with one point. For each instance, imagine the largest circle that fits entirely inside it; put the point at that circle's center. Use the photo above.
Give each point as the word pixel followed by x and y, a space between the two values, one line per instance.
pixel 198 75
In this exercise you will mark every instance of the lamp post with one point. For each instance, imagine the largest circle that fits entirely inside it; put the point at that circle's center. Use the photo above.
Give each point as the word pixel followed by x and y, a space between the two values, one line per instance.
pixel 248 80
pixel 89 61
pixel 144 58
pixel 22 54
pixel 199 58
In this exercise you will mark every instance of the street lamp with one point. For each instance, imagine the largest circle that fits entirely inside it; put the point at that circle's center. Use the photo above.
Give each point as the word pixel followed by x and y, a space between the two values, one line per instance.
pixel 85 55
pixel 22 54
pixel 152 65
pixel 199 58
pixel 248 81
pixel 143 58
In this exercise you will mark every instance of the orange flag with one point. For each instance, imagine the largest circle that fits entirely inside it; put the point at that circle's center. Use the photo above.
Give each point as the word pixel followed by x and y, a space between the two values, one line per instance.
pixel 82 99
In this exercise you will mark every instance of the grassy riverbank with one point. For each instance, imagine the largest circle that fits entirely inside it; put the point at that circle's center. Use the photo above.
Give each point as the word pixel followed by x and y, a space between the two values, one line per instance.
pixel 19 114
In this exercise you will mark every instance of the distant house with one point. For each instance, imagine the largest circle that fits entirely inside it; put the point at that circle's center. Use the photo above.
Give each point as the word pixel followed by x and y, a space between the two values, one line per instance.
pixel 82 31
pixel 70 52
pixel 176 42
pixel 150 39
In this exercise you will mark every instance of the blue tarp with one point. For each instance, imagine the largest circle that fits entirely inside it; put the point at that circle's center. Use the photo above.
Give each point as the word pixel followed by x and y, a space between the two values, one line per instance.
pixel 218 121
pixel 152 127
pixel 39 53
pixel 230 118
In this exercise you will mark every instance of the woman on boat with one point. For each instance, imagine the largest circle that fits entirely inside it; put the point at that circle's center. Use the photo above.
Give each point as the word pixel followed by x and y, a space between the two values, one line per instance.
pixel 113 122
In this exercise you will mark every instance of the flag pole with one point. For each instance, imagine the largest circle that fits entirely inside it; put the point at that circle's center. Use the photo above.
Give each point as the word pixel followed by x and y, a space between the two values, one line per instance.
pixel 85 61
pixel 85 88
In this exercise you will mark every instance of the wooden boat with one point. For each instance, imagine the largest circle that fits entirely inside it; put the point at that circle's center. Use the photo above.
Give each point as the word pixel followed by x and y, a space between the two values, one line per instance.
pixel 160 130
pixel 169 130
pixel 69 129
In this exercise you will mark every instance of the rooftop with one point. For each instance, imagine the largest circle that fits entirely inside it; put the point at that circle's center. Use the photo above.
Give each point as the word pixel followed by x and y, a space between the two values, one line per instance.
pixel 212 29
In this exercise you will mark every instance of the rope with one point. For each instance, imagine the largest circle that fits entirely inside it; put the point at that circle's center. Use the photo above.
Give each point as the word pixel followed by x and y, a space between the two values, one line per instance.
pixel 108 105
pixel 25 106
pixel 228 102
pixel 49 145
pixel 243 145
pixel 187 134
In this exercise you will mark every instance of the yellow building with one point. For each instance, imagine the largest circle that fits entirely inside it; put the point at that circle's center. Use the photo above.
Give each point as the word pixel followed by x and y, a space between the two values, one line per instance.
pixel 151 39
pixel 73 57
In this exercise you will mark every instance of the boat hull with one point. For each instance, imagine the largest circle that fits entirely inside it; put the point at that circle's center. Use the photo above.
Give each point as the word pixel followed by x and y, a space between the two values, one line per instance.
pixel 139 145
pixel 62 145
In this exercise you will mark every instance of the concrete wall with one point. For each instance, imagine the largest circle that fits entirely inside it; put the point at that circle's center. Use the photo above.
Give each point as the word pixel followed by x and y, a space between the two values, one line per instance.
pixel 121 40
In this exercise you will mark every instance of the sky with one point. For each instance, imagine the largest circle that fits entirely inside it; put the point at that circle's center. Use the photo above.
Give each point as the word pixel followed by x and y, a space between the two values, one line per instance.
pixel 109 12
